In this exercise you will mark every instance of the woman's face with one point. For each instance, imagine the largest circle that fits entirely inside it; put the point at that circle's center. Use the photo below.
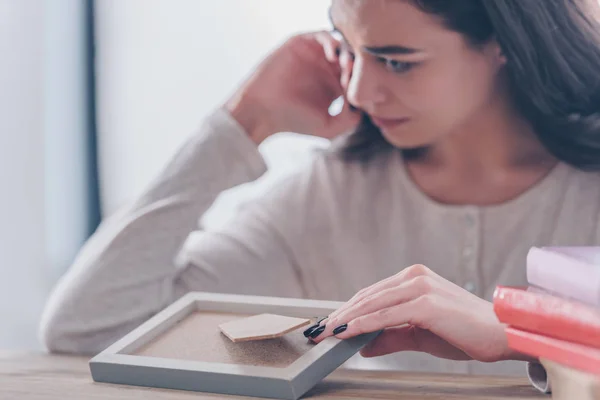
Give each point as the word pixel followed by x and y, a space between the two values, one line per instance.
pixel 418 80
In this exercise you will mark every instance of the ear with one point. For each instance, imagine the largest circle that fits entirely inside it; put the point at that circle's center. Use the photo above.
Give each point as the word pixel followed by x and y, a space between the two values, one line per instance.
pixel 496 53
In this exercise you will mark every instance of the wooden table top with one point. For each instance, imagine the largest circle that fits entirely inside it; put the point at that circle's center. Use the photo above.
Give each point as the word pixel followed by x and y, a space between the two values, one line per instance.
pixel 26 376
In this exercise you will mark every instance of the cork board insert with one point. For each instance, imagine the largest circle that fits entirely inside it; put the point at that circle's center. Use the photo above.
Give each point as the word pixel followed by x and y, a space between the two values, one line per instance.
pixel 198 338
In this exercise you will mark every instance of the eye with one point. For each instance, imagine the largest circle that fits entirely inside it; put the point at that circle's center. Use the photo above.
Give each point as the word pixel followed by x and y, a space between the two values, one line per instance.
pixel 397 66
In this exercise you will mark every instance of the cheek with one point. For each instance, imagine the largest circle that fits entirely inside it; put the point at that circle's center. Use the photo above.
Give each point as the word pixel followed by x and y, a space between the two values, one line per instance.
pixel 446 94
pixel 475 83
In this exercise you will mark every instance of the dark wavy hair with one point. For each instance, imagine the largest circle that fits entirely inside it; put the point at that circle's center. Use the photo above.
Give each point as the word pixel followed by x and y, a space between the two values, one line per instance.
pixel 553 64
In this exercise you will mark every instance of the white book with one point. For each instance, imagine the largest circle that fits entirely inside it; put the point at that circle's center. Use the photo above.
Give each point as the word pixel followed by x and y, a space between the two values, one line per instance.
pixel 571 272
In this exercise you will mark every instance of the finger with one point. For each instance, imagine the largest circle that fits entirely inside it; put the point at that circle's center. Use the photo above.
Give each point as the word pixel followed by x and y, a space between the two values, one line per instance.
pixel 407 273
pixel 333 72
pixel 330 49
pixel 419 312
pixel 345 69
pixel 406 291
pixel 330 46
pixel 404 275
pixel 343 122
pixel 450 319
pixel 409 291
pixel 320 48
pixel 411 338
pixel 395 295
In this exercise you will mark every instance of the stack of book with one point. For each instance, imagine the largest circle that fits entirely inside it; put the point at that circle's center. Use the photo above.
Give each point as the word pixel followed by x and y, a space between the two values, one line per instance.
pixel 557 317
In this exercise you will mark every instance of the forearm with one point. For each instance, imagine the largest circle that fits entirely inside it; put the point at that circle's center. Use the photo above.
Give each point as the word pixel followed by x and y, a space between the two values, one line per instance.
pixel 125 272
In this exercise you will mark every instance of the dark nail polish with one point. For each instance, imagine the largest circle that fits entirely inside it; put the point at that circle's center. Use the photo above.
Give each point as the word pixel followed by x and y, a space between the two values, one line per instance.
pixel 310 330
pixel 352 108
pixel 338 51
pixel 317 332
pixel 340 329
pixel 321 320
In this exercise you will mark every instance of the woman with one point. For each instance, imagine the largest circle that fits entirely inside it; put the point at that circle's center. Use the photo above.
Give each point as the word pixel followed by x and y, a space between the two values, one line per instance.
pixel 478 139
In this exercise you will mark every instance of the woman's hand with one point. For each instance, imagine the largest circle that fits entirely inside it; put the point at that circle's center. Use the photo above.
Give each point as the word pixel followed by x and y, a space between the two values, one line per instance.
pixel 420 311
pixel 292 90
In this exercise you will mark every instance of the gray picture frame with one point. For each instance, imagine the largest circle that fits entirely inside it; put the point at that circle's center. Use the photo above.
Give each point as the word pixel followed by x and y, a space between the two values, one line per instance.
pixel 118 365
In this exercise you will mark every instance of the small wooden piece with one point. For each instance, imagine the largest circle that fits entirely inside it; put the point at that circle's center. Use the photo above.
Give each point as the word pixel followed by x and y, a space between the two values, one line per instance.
pixel 260 327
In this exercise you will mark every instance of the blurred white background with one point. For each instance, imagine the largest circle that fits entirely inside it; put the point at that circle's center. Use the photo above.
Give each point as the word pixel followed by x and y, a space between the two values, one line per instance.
pixel 22 236
pixel 162 65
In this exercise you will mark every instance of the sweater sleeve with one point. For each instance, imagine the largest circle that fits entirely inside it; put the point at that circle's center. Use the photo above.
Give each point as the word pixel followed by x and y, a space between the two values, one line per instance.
pixel 137 262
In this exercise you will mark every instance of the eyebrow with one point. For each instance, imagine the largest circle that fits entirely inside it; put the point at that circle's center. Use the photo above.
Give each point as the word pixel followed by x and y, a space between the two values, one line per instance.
pixel 391 50
pixel 378 51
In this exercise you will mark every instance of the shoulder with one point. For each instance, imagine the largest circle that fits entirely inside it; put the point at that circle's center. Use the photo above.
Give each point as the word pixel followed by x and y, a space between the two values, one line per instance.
pixel 579 199
pixel 325 185
pixel 328 175
pixel 584 184
pixel 583 177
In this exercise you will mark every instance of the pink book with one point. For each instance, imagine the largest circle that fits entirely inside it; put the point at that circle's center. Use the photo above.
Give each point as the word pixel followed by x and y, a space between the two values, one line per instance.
pixel 572 272
pixel 574 355
pixel 548 315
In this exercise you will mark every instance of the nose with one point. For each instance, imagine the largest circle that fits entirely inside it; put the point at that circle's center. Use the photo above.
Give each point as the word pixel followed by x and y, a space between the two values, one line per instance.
pixel 365 90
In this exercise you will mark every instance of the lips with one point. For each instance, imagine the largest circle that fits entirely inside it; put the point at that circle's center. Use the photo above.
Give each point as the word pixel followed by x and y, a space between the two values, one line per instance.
pixel 388 123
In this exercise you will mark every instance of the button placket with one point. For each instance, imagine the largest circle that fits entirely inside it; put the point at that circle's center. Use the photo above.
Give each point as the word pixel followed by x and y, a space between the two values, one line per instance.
pixel 470 286
pixel 470 250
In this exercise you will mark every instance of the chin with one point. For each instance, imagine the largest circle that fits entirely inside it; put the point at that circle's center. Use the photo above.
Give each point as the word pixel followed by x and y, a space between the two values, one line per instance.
pixel 406 140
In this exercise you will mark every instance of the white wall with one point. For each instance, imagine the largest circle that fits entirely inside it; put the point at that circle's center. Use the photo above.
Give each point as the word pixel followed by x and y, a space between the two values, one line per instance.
pixel 22 247
pixel 164 64
pixel 43 127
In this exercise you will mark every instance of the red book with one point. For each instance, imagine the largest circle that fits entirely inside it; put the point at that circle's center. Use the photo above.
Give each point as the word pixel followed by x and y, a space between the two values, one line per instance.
pixel 549 315
pixel 577 356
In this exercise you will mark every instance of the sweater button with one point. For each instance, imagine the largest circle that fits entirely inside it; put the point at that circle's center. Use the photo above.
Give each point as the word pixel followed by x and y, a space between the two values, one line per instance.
pixel 468 251
pixel 470 220
pixel 470 286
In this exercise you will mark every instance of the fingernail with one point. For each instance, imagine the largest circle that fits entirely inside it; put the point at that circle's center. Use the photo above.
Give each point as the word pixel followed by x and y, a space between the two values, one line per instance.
pixel 317 332
pixel 340 329
pixel 338 51
pixel 310 329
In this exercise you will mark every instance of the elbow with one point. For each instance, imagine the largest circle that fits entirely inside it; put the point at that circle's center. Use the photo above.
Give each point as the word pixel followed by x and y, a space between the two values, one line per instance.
pixel 63 335
pixel 53 331
pixel 52 339
pixel 62 329
pixel 68 327
pixel 54 335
